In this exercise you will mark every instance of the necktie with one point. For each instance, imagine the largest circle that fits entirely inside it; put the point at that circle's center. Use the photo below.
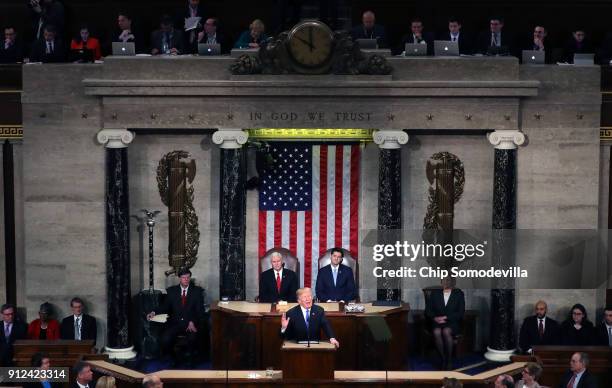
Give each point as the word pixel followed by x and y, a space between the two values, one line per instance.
pixel 7 331
pixel 278 281
pixel 46 384
pixel 541 328
pixel 49 49
pixel 610 336
pixel 307 318
pixel 494 40
pixel 184 298
pixel 571 382
pixel 454 38
pixel 335 276
pixel 77 329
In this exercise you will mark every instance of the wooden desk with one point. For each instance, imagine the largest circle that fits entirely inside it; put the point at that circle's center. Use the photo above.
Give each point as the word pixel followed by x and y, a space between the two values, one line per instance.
pixel 314 361
pixel 246 336
pixel 61 352
pixel 555 360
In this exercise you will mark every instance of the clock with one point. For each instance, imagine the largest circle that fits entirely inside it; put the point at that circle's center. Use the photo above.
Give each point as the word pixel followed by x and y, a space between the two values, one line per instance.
pixel 310 44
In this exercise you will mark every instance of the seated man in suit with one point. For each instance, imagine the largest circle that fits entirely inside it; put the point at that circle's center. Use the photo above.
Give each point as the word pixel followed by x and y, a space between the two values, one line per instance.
pixel 185 307
pixel 455 34
pixel 538 329
pixel 127 33
pixel 11 50
pixel 416 35
pixel 167 40
pixel 277 283
pixel 579 43
pixel 370 30
pixel 12 330
pixel 78 326
pixel 305 321
pixel 495 41
pixel 335 282
pixel 84 376
pixel 604 329
pixel 210 35
pixel 50 49
pixel 578 376
pixel 539 43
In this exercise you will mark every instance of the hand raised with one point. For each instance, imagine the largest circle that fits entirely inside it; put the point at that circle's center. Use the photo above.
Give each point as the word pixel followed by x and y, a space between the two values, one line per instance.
pixel 284 321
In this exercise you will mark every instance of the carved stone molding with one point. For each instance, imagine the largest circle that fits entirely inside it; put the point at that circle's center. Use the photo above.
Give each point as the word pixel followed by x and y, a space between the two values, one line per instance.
pixel 115 138
pixel 230 138
pixel 506 139
pixel 390 139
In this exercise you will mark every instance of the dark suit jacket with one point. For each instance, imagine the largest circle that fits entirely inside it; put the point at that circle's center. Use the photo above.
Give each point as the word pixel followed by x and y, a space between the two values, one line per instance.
pixel 530 336
pixel 465 41
pixel 176 40
pixel 548 48
pixel 572 47
pixel 572 337
pixel 192 311
pixel 89 328
pixel 378 33
pixel 296 330
pixel 344 288
pixel 454 310
pixel 601 335
pixel 408 38
pixel 586 381
pixel 39 52
pixel 51 15
pixel 13 54
pixel 484 43
pixel 19 331
pixel 267 286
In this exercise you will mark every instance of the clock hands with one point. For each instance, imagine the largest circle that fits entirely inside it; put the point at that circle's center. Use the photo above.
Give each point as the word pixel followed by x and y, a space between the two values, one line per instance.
pixel 310 38
pixel 307 43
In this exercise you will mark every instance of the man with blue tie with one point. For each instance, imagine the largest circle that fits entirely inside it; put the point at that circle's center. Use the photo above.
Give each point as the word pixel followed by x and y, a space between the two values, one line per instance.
pixel 305 321
pixel 335 282
pixel 12 330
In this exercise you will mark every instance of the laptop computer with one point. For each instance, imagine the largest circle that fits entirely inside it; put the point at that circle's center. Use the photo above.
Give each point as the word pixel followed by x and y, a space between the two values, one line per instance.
pixel 124 48
pixel 584 59
pixel 209 49
pixel 81 55
pixel 446 48
pixel 533 57
pixel 367 44
pixel 415 49
pixel 237 52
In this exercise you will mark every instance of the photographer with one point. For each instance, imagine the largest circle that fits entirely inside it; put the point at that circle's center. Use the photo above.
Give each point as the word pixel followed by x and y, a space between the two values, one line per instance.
pixel 45 12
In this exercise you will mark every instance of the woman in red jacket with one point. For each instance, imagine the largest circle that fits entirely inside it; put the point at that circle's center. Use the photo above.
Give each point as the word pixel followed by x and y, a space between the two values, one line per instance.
pixel 84 42
pixel 45 327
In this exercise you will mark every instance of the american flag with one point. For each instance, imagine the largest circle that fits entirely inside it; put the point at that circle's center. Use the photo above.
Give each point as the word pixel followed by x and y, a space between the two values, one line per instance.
pixel 309 202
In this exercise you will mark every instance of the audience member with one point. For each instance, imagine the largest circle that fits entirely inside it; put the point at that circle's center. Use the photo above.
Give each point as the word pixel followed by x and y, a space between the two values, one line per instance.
pixel 84 47
pixel 451 382
pixel 579 43
pixel 530 375
pixel 45 327
pixel 12 329
pixel 193 9
pixel 84 376
pixel 577 330
pixel 11 48
pixel 211 35
pixel 78 326
pixel 495 41
pixel 106 382
pixel 253 37
pixel 539 43
pixel 49 50
pixel 44 13
pixel 127 32
pixel 152 381
pixel 578 376
pixel 504 381
pixel 42 361
pixel 416 35
pixel 335 282
pixel 167 40
pixel 445 309
pixel 538 329
pixel 370 30
pixel 454 34
pixel 277 283
pixel 604 329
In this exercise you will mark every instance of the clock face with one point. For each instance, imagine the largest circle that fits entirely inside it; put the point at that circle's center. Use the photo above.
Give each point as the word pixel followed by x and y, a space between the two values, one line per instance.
pixel 310 43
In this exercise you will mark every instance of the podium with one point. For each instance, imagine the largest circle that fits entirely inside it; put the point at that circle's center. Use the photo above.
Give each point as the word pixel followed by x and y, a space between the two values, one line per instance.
pixel 316 362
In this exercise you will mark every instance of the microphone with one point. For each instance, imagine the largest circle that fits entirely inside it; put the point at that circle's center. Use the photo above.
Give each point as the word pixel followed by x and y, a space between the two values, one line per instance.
pixel 308 328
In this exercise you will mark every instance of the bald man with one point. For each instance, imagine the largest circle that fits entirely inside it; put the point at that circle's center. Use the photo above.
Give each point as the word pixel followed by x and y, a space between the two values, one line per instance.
pixel 368 29
pixel 152 381
pixel 538 329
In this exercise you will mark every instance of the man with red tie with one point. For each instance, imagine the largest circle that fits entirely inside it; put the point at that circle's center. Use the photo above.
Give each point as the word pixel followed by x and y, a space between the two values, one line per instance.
pixel 578 376
pixel 185 306
pixel 538 329
pixel 277 283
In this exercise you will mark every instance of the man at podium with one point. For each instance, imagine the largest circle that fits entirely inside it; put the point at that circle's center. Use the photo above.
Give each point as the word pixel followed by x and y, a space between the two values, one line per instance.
pixel 305 321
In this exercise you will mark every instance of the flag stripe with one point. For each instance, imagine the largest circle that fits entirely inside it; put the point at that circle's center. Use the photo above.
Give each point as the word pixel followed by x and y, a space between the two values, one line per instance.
pixel 278 224
pixel 300 239
pixel 338 196
pixel 354 225
pixel 323 192
pixel 331 200
pixel 285 229
pixel 307 258
pixel 346 196
pixel 293 232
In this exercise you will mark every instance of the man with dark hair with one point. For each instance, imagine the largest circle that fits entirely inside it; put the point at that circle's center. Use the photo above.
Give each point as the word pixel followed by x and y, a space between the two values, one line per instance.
pixel 167 40
pixel 504 381
pixel 211 35
pixel 185 306
pixel 11 49
pixel 538 329
pixel 539 42
pixel 578 376
pixel 335 282
pixel 78 326
pixel 455 34
pixel 84 376
pixel 495 41
pixel 579 43
pixel 368 29
pixel 12 330
pixel 604 329
pixel 127 32
pixel 417 35
pixel 50 49
pixel 192 9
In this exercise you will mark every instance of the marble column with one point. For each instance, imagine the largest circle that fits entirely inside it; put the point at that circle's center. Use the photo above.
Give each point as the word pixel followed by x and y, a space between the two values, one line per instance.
pixel 389 205
pixel 502 336
pixel 232 214
pixel 117 243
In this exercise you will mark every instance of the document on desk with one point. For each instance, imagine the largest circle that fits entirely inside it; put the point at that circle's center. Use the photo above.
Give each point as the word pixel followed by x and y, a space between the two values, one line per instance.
pixel 160 318
pixel 191 23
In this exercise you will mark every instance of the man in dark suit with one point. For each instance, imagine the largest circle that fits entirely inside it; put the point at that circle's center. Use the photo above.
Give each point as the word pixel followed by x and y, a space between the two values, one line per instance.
pixel 50 49
pixel 538 329
pixel 12 330
pixel 192 9
pixel 78 326
pixel 417 35
pixel 211 35
pixel 167 40
pixel 539 43
pixel 185 307
pixel 11 50
pixel 454 34
pixel 45 13
pixel 335 282
pixel 604 329
pixel 84 376
pixel 305 321
pixel 277 283
pixel 370 30
pixel 579 43
pixel 578 376
pixel 495 41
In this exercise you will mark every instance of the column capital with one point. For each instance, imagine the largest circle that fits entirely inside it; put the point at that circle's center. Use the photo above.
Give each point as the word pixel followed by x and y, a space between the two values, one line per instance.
pixel 230 138
pixel 390 139
pixel 504 139
pixel 115 138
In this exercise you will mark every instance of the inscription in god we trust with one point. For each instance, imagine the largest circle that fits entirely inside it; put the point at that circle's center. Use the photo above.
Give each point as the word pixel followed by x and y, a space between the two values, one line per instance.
pixel 311 116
